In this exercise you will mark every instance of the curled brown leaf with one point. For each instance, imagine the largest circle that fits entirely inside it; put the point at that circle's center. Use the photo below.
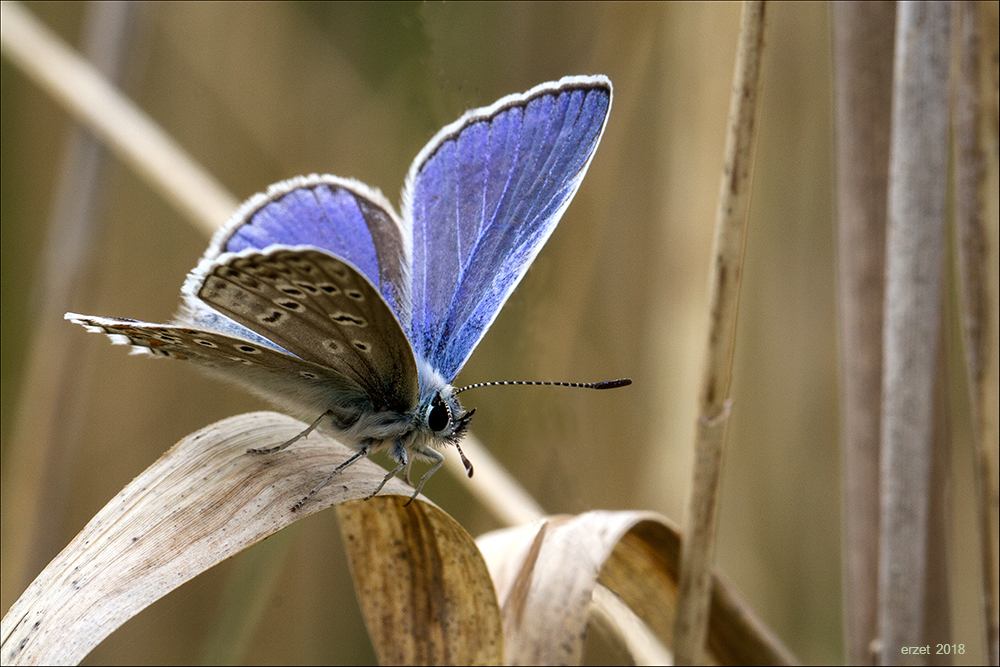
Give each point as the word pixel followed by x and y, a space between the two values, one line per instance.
pixel 547 572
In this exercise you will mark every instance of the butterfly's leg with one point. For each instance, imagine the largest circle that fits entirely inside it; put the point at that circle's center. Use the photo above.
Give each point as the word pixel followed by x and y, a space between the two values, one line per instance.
pixel 438 459
pixel 399 453
pixel 278 448
pixel 366 447
pixel 406 472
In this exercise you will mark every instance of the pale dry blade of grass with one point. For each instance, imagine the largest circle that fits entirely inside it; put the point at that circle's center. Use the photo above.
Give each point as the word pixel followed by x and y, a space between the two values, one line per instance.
pixel 203 501
pixel 977 182
pixel 862 75
pixel 493 486
pixel 547 572
pixel 731 222
pixel 914 266
pixel 134 137
pixel 47 428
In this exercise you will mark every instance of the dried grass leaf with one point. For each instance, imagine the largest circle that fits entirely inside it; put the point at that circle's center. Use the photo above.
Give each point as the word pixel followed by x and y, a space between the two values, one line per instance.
pixel 200 503
pixel 546 574
pixel 424 589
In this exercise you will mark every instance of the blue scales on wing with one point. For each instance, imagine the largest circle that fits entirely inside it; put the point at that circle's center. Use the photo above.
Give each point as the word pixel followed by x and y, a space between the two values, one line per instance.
pixel 342 216
pixel 483 197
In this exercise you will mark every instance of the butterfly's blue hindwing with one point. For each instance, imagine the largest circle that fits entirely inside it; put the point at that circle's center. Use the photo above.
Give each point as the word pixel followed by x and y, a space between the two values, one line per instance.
pixel 342 216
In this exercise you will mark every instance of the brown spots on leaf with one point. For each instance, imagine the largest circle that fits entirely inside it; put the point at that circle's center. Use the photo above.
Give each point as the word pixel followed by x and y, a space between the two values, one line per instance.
pixel 517 600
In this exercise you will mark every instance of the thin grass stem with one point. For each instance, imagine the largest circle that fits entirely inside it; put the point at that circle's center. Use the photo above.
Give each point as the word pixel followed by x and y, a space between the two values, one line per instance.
pixel 701 511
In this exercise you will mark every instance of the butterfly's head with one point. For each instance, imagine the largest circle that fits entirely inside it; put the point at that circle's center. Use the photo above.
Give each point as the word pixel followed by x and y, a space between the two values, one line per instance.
pixel 445 417
pixel 446 420
pixel 439 414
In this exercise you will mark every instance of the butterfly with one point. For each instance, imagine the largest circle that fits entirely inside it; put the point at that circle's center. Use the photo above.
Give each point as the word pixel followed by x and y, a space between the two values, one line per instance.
pixel 319 297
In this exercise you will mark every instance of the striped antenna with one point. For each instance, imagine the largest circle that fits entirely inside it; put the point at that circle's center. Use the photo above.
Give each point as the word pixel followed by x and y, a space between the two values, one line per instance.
pixel 610 384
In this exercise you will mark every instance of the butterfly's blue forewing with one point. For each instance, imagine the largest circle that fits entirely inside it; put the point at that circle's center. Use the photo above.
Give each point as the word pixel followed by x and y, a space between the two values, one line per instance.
pixel 483 197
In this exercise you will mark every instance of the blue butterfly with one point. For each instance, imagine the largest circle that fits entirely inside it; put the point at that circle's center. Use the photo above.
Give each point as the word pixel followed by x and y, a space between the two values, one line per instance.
pixel 319 297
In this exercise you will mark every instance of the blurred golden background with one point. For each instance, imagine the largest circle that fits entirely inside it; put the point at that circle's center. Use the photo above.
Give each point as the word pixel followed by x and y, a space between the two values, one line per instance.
pixel 261 92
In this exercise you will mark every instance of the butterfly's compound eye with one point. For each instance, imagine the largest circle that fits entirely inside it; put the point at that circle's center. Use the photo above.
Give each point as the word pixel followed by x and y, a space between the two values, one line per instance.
pixel 438 418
